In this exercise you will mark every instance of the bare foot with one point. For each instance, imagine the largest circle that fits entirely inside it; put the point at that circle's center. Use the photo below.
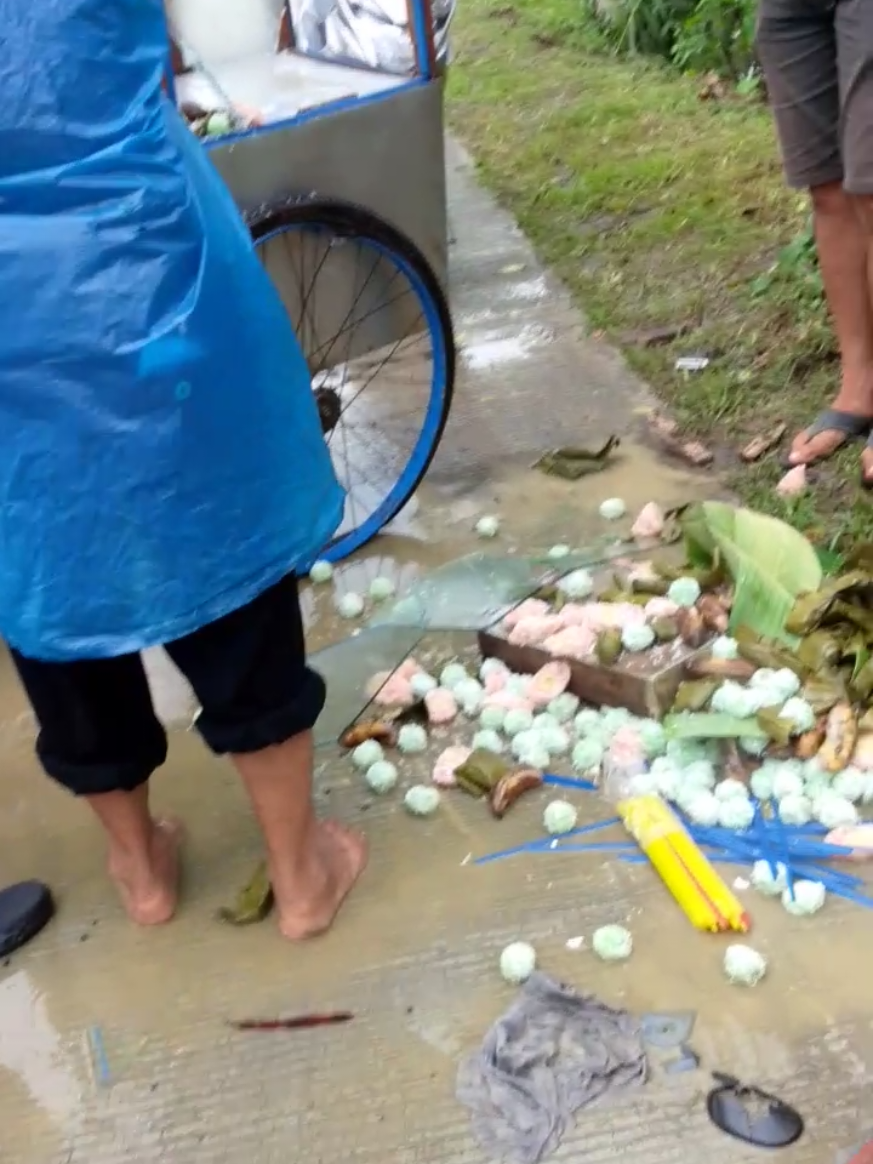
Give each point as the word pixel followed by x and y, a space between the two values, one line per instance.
pixel 150 898
pixel 867 468
pixel 806 449
pixel 339 860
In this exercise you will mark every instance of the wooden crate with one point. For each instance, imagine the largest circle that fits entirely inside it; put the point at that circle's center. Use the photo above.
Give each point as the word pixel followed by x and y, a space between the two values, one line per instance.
pixel 646 685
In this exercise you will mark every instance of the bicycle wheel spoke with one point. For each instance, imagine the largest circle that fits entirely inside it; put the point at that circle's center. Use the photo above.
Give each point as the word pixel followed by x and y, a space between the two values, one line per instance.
pixel 374 364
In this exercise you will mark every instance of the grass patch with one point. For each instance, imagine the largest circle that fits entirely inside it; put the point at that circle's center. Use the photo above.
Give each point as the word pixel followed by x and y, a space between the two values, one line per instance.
pixel 658 208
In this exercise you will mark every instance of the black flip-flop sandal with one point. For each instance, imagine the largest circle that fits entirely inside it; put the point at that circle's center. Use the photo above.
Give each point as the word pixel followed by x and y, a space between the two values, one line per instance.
pixel 846 424
pixel 25 909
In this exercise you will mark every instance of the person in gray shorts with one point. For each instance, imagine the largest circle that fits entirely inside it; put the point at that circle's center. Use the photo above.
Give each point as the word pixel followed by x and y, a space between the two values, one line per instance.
pixel 817 58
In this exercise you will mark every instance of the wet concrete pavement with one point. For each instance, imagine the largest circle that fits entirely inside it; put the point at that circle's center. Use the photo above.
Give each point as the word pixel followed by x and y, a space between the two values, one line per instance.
pixel 414 955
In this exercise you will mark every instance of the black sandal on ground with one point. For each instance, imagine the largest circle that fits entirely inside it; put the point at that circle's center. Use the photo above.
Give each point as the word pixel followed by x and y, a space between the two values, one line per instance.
pixel 845 424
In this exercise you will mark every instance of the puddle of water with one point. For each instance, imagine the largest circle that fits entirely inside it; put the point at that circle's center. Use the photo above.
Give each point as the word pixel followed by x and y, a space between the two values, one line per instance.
pixel 494 350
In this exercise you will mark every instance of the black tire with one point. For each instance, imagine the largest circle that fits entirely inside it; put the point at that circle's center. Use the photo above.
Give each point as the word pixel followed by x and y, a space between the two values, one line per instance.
pixel 347 220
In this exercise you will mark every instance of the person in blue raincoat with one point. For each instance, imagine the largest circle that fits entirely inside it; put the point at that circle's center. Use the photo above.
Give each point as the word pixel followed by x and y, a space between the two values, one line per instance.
pixel 164 472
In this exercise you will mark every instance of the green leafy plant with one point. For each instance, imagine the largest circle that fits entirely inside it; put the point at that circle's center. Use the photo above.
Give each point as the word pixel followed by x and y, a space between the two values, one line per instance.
pixel 770 563
pixel 697 35
pixel 718 35
pixel 796 271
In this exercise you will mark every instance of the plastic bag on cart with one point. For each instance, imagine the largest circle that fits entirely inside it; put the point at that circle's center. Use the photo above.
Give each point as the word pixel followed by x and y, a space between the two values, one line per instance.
pixel 159 431
pixel 375 33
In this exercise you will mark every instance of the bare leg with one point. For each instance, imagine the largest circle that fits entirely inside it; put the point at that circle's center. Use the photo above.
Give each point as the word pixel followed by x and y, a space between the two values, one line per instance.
pixel 843 247
pixel 143 854
pixel 313 864
pixel 863 205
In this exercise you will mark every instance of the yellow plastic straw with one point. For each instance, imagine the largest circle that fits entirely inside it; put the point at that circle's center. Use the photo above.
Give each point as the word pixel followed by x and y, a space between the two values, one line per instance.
pixel 701 894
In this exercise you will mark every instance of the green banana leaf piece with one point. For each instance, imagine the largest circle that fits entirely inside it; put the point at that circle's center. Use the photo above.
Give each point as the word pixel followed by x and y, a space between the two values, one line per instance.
pixel 773 725
pixel 823 691
pixel 571 464
pixel 810 610
pixel 253 902
pixel 695 694
pixel 710 725
pixel 767 652
pixel 651 587
pixel 860 558
pixel 608 646
pixel 820 650
pixel 769 562
pixel 482 769
pixel 861 685
pixel 852 613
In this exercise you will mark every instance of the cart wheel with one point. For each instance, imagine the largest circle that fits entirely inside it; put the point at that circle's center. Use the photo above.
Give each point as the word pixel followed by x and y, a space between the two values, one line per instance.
pixel 375 327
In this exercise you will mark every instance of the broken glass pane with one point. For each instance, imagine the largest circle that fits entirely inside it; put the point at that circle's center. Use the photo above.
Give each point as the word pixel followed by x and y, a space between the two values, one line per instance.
pixel 346 667
pixel 476 591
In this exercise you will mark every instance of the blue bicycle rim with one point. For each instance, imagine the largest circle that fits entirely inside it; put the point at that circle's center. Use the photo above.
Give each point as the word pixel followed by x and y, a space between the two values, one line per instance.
pixel 403 489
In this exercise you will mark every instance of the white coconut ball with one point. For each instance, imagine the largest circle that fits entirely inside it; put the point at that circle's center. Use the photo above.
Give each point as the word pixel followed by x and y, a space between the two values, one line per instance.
pixel 517 962
pixel 804 898
pixel 730 788
pixel 795 810
pixel 744 966
pixel 703 808
pixel 736 813
pixel 769 879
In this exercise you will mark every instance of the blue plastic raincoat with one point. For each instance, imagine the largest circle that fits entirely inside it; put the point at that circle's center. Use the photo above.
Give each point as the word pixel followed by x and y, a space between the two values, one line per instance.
pixel 161 460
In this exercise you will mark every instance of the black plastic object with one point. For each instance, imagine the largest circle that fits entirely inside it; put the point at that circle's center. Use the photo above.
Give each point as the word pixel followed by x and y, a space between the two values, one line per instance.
pixel 752 1115
pixel 25 909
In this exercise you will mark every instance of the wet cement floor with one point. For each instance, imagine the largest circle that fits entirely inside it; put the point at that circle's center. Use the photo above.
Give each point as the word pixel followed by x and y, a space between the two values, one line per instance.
pixel 415 953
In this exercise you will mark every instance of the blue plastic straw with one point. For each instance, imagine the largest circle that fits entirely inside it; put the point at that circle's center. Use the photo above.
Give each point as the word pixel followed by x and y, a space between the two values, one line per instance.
pixel 569 782
pixel 544 844
pixel 601 846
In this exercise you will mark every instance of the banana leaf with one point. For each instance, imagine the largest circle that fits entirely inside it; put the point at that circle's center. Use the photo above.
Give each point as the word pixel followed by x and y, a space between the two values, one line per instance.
pixel 861 684
pixel 823 691
pixel 860 558
pixel 770 563
pixel 695 694
pixel 765 652
pixel 853 613
pixel 773 725
pixel 820 650
pixel 573 463
pixel 253 902
pixel 811 609
pixel 710 725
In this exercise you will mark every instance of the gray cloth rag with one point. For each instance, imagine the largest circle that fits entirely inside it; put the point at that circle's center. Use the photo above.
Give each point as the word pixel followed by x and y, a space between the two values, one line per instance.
pixel 552 1052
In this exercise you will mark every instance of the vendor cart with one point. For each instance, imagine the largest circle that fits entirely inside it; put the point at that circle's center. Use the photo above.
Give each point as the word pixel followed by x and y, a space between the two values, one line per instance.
pixel 325 119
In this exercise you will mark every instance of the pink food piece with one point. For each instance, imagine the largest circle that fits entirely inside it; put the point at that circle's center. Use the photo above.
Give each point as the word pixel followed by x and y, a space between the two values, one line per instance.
pixel 549 681
pixel 858 838
pixel 621 614
pixel 395 692
pixel 530 608
pixel 441 705
pixel 409 668
pixel 793 483
pixel 446 763
pixel 649 522
pixel 660 608
pixel 530 632
pixel 508 700
pixel 572 642
pixel 626 747
pixel 576 614
pixel 495 681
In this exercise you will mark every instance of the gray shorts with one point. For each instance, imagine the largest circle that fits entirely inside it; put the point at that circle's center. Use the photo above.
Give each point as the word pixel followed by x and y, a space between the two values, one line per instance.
pixel 817 57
